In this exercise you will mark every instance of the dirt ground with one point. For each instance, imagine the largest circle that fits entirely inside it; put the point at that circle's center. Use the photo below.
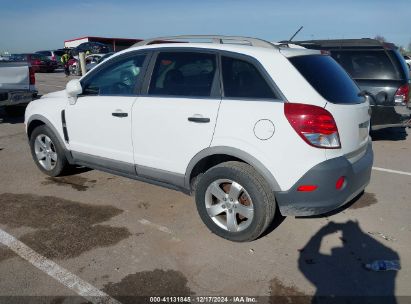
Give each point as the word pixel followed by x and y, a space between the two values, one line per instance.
pixel 127 238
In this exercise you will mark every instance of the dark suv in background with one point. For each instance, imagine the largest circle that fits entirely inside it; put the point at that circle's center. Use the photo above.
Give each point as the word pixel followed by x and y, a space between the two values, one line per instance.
pixel 92 47
pixel 53 55
pixel 379 69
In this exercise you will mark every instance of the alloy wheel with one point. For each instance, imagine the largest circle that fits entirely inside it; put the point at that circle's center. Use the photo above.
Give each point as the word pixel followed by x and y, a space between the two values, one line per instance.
pixel 229 205
pixel 45 152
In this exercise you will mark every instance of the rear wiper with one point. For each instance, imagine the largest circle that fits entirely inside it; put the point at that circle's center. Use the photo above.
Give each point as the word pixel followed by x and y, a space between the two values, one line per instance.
pixel 380 98
pixel 365 93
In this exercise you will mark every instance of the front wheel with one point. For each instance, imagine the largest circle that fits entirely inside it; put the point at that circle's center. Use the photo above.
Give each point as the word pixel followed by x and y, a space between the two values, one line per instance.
pixel 235 202
pixel 47 152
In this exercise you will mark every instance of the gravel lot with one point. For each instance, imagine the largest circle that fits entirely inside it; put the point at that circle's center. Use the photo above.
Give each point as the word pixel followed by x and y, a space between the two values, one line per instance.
pixel 127 238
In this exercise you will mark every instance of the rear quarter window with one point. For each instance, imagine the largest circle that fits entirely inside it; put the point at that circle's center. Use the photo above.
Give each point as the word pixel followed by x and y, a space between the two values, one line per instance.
pixel 328 78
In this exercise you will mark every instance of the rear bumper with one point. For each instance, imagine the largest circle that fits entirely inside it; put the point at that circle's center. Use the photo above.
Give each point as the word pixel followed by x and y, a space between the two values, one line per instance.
pixel 326 197
pixel 387 117
pixel 16 97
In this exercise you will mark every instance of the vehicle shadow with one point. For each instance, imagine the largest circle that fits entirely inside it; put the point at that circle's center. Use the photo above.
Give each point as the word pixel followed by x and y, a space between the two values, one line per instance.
pixel 393 134
pixel 13 115
pixel 335 211
pixel 278 219
pixel 75 170
pixel 340 276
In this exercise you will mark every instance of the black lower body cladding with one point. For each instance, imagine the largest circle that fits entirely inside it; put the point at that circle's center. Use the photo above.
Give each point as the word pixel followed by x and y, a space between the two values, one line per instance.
pixel 327 197
pixel 390 116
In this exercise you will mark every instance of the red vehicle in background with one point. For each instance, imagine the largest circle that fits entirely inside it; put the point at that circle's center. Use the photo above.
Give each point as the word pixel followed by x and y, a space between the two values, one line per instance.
pixel 53 55
pixel 39 63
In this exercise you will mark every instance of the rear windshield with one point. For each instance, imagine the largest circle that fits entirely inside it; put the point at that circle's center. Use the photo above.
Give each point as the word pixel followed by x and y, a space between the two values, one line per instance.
pixel 39 56
pixel 369 64
pixel 45 53
pixel 327 77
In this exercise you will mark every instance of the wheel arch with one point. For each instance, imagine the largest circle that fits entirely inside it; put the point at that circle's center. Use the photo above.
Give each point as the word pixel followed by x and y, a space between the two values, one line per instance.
pixel 39 120
pixel 212 156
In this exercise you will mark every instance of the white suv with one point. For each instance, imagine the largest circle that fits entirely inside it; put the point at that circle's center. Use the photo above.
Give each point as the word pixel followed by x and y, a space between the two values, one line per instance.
pixel 249 127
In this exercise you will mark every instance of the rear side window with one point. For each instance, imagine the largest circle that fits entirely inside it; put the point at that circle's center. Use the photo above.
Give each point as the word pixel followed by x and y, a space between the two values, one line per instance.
pixel 327 77
pixel 242 79
pixel 183 74
pixel 367 64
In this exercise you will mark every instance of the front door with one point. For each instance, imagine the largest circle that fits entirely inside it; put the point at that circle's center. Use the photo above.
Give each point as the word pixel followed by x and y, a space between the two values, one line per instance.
pixel 99 123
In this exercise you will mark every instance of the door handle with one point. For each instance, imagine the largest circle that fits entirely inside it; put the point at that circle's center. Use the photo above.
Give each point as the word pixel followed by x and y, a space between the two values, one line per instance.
pixel 199 119
pixel 119 114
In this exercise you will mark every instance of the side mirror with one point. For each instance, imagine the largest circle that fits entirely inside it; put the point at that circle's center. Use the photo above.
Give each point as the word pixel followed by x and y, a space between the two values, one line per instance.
pixel 381 97
pixel 73 89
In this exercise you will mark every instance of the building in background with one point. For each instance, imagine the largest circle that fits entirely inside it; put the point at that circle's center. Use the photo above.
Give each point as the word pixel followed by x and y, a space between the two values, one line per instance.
pixel 116 44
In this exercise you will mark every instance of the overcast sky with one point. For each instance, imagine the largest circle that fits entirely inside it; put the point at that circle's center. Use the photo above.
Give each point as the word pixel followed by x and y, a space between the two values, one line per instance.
pixel 31 25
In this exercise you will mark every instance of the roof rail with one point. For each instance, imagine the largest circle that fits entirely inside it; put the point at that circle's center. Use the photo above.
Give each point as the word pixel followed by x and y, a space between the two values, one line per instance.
pixel 217 39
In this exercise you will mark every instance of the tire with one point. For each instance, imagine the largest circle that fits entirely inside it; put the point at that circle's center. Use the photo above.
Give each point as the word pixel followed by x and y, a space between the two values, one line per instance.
pixel 255 195
pixel 49 148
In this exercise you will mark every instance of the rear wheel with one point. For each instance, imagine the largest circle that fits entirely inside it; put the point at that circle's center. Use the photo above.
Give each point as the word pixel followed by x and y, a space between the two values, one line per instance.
pixel 47 152
pixel 235 202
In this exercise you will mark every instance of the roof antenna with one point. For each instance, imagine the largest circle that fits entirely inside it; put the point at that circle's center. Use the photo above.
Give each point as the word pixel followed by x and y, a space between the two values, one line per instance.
pixel 295 34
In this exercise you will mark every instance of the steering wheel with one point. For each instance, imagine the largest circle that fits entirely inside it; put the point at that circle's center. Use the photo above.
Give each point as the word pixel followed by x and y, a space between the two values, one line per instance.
pixel 121 87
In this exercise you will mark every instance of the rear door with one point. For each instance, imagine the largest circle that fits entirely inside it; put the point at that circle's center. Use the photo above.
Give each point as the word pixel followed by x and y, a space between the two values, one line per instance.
pixel 176 118
pixel 351 112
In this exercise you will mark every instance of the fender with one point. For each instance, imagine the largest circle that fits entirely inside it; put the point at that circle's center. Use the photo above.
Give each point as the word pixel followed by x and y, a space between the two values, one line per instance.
pixel 237 153
pixel 47 122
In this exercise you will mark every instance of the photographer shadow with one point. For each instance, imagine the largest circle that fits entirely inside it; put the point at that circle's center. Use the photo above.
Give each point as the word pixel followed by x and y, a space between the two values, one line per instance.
pixel 340 277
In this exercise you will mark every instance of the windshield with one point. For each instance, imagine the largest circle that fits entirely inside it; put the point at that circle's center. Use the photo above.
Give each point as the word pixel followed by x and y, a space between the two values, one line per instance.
pixel 328 78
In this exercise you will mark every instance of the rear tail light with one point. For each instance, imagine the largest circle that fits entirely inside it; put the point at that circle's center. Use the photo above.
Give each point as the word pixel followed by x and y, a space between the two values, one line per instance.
pixel 32 76
pixel 402 95
pixel 36 62
pixel 315 125
pixel 53 58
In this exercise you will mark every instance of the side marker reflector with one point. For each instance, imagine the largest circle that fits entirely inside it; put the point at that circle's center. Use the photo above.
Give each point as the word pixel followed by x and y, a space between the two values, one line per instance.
pixel 307 188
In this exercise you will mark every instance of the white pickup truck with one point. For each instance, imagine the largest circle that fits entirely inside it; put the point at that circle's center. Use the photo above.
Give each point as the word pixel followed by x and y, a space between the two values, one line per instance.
pixel 17 84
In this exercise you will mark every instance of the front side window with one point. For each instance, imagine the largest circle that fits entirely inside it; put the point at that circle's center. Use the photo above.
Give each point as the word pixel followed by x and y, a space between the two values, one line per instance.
pixel 242 79
pixel 118 78
pixel 183 74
